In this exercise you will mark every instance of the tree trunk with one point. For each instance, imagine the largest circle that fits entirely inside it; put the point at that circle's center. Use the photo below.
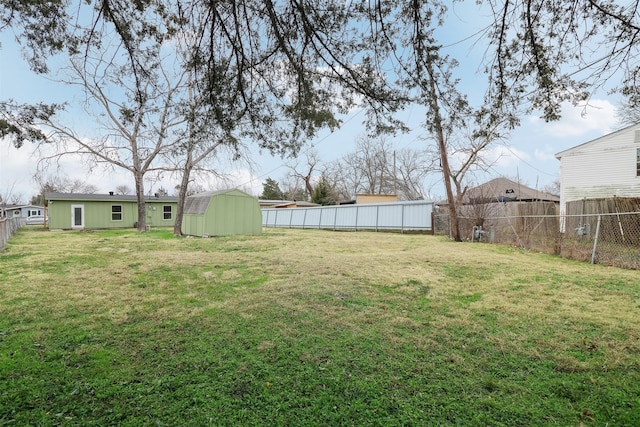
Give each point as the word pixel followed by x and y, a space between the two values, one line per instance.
pixel 182 195
pixel 308 186
pixel 142 206
pixel 444 157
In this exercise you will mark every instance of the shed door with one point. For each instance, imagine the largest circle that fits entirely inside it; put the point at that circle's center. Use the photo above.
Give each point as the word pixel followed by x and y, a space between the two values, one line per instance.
pixel 77 216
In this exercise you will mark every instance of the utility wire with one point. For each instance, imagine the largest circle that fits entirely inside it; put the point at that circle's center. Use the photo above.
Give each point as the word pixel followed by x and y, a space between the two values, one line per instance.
pixel 306 150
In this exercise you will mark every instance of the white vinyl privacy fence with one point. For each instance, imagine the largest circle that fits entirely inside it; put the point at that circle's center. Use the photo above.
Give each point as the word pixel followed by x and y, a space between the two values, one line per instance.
pixel 401 216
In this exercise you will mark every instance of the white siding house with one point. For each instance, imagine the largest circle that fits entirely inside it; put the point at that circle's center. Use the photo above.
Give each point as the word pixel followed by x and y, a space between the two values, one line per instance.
pixel 20 211
pixel 601 168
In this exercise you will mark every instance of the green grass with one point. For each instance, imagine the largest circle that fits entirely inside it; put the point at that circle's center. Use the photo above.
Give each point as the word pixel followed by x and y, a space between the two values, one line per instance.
pixel 313 328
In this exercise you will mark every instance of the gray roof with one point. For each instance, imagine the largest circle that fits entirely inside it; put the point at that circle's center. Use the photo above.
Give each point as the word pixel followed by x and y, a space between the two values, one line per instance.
pixel 298 203
pixel 12 206
pixel 107 197
pixel 197 204
pixel 503 189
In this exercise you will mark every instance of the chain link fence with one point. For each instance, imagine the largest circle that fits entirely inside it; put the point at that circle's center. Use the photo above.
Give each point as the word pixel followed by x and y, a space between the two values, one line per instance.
pixel 610 239
pixel 8 226
pixel 605 238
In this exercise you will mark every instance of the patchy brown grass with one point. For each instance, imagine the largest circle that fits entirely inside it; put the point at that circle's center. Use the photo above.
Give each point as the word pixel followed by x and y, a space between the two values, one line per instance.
pixel 465 314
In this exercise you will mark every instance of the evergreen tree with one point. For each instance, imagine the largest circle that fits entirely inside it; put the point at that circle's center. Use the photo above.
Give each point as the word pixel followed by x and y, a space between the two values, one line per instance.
pixel 271 190
pixel 323 194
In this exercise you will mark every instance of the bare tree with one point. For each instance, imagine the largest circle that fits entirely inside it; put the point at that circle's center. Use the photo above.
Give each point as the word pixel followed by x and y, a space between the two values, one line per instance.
pixel 628 113
pixel 60 184
pixel 343 177
pixel 9 196
pixel 123 189
pixel 303 170
pixel 293 188
pixel 373 157
pixel 369 169
pixel 138 122
pixel 247 70
pixel 63 184
pixel 467 147
pixel 411 169
pixel 552 188
pixel 377 168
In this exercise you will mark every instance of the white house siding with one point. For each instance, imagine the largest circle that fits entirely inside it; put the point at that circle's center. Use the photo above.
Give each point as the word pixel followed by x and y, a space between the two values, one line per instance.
pixel 602 168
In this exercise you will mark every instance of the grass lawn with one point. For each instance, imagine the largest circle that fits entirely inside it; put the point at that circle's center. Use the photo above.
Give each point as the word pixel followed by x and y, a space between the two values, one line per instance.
pixel 308 327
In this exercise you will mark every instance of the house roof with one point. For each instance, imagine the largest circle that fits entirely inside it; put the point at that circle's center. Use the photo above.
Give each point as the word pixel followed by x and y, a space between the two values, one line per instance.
pixel 596 140
pixel 11 206
pixel 505 190
pixel 297 204
pixel 271 203
pixel 107 197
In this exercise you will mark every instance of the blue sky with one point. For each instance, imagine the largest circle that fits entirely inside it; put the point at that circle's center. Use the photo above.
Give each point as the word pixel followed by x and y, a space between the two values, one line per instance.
pixel 528 153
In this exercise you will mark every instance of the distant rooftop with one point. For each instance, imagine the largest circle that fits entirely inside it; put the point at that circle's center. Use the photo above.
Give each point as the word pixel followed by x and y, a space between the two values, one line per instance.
pixel 506 190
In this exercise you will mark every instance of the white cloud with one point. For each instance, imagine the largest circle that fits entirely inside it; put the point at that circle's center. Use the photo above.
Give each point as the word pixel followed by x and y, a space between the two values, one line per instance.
pixel 19 168
pixel 598 116
pixel 544 153
pixel 16 170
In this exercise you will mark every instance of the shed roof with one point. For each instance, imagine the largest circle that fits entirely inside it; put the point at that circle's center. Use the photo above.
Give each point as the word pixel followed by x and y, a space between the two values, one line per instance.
pixel 197 204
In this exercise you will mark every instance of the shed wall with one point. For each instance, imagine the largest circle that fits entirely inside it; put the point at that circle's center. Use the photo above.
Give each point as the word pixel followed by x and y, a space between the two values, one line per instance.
pixel 193 225
pixel 233 213
pixel 227 213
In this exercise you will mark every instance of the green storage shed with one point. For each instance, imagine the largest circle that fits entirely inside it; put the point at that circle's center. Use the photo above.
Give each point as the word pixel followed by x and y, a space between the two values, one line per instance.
pixel 221 213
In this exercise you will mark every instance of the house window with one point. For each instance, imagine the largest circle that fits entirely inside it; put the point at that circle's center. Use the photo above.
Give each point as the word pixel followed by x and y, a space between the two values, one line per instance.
pixel 166 212
pixel 638 162
pixel 116 212
pixel 33 212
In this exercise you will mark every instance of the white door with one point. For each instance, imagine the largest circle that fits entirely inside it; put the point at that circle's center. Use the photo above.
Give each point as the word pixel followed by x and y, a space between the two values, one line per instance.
pixel 77 216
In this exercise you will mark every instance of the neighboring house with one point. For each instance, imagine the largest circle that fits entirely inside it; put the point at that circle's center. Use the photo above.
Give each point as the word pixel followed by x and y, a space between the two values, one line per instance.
pixel 97 211
pixel 496 207
pixel 221 213
pixel 362 199
pixel 602 168
pixel 20 211
pixel 505 190
pixel 264 203
pixel 295 204
pixel 267 203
